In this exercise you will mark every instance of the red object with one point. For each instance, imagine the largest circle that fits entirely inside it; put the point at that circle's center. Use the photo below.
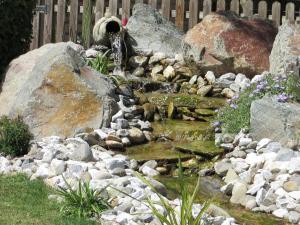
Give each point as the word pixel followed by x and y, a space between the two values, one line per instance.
pixel 124 22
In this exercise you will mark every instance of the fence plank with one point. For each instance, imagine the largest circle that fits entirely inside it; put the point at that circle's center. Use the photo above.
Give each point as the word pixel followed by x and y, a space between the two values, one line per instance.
pixel 87 23
pixel 48 22
pixel 194 13
pixel 166 8
pixel 126 9
pixel 263 9
pixel 248 8
pixel 207 7
pixel 290 12
pixel 113 7
pixel 235 6
pixel 276 9
pixel 180 12
pixel 73 20
pixel 139 1
pixel 153 3
pixel 221 5
pixel 60 21
pixel 100 8
pixel 35 32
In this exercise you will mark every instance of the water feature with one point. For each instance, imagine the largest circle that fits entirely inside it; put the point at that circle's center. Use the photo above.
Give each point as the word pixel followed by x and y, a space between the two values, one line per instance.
pixel 116 48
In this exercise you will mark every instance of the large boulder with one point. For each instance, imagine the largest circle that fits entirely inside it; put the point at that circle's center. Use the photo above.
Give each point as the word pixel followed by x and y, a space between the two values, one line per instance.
pixel 277 121
pixel 224 42
pixel 285 55
pixel 55 93
pixel 149 31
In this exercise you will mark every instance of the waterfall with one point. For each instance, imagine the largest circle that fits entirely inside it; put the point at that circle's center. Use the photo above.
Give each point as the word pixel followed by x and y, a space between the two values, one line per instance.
pixel 116 48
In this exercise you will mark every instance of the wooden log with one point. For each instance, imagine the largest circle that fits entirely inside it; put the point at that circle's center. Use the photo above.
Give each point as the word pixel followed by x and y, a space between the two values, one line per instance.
pixel 100 9
pixel 48 22
pixel 180 14
pixel 194 13
pixel 207 7
pixel 73 26
pixel 276 13
pixel 60 21
pixel 166 8
pixel 263 9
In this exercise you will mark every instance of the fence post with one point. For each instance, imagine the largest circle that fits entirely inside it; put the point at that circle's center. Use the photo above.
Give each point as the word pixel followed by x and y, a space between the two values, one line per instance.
pixel 100 7
pixel 263 9
pixel 87 22
pixel 48 22
pixel 207 5
pixel 180 14
pixel 125 9
pixel 221 5
pixel 35 30
pixel 113 7
pixel 60 21
pixel 276 9
pixel 290 12
pixel 235 6
pixel 248 8
pixel 194 13
pixel 153 3
pixel 139 1
pixel 73 27
pixel 166 8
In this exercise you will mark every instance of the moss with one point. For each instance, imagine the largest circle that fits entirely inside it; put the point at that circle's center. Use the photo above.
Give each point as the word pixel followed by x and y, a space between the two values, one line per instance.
pixel 202 148
pixel 185 100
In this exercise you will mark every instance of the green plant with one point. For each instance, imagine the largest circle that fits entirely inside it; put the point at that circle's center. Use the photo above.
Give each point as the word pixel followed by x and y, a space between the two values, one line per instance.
pixel 83 202
pixel 16 29
pixel 102 63
pixel 14 136
pixel 236 115
pixel 173 217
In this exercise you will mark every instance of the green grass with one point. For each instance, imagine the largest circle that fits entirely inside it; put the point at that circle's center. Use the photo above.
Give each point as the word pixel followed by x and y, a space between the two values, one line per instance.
pixel 25 202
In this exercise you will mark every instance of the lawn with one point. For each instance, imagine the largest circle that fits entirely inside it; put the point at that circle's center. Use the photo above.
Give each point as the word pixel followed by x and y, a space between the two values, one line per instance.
pixel 25 202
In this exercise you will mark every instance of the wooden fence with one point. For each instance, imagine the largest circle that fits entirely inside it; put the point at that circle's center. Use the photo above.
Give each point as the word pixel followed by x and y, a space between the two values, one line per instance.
pixel 62 19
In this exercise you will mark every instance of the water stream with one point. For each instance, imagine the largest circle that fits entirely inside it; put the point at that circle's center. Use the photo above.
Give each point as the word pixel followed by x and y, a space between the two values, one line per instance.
pixel 116 48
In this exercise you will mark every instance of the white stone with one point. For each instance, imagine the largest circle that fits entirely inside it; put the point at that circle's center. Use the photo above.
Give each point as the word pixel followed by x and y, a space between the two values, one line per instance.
pixel 245 141
pixel 57 166
pixel 118 115
pixel 169 73
pixel 79 150
pixel 101 134
pixel 210 77
pixel 263 143
pixel 149 171
pixel 280 213
pixel 91 53
pixel 158 56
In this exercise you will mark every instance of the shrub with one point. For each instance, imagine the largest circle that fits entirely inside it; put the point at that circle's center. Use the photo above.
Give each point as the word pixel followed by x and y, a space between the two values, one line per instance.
pixel 102 63
pixel 236 115
pixel 16 29
pixel 185 215
pixel 83 202
pixel 14 136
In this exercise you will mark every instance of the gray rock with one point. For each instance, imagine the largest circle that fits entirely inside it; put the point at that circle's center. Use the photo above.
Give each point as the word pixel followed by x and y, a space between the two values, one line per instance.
pixel 138 61
pixel 203 91
pixel 136 136
pixel 46 88
pixel 139 72
pixel 118 172
pixel 146 170
pixel 284 117
pixel 280 213
pixel 156 32
pixel 294 217
pixel 227 76
pixel 115 163
pixel 152 164
pixel 285 53
pixel 79 150
pixel 239 193
pixel 57 166
pixel 221 168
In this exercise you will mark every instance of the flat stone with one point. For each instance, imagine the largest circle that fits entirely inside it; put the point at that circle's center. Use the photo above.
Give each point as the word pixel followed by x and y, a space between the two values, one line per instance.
pixel 239 193
pixel 221 168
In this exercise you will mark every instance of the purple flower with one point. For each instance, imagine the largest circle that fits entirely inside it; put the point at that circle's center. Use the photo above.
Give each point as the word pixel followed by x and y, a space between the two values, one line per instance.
pixel 282 97
pixel 235 97
pixel 216 124
pixel 234 106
